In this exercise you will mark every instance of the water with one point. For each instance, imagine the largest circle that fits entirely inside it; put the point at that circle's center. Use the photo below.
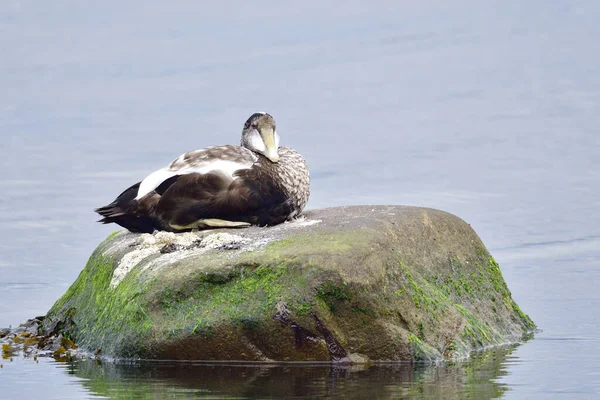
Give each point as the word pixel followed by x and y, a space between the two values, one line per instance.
pixel 489 111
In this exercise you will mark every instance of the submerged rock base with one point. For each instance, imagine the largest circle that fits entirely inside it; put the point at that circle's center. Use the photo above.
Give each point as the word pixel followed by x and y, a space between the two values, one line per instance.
pixel 346 284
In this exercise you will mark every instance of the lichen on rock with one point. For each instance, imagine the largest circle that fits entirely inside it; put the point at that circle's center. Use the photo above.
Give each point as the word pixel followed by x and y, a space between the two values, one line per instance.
pixel 346 284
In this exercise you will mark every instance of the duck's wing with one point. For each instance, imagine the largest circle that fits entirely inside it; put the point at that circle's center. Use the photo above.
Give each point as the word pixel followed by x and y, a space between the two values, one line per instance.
pixel 222 159
pixel 212 199
pixel 255 195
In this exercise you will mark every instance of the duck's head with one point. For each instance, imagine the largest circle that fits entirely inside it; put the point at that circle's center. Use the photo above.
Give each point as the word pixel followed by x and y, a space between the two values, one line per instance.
pixel 260 136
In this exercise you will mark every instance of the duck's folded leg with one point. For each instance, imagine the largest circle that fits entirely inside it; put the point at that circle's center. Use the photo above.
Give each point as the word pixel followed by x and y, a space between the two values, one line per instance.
pixel 210 223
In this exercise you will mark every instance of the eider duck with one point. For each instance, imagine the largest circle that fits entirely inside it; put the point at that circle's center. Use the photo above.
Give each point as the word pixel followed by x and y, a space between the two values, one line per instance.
pixel 257 183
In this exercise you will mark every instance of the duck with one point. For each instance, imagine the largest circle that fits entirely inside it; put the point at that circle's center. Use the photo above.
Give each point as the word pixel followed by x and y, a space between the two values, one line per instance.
pixel 228 186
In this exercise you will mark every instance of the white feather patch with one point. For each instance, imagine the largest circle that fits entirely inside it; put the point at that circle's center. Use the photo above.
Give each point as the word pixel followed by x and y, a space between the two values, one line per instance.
pixel 154 180
pixel 256 141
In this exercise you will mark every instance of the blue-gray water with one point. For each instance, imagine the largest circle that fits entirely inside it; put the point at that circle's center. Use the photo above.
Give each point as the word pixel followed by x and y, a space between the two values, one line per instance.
pixel 489 110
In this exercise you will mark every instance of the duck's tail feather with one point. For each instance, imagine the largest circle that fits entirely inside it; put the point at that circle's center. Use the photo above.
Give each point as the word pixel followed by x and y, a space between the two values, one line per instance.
pixel 124 211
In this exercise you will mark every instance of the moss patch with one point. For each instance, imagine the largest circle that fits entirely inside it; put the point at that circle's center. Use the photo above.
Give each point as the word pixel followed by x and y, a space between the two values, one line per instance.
pixel 98 317
pixel 112 234
pixel 430 296
pixel 239 300
pixel 332 293
pixel 421 351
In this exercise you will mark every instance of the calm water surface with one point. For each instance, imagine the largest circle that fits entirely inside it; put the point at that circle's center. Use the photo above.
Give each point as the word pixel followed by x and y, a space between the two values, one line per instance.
pixel 489 111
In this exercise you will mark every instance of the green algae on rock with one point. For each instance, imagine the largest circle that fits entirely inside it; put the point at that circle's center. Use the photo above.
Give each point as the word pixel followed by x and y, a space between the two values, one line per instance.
pixel 345 284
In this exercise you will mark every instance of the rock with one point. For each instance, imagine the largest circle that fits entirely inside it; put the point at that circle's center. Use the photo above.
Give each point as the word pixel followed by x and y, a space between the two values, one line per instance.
pixel 345 284
pixel 4 332
pixel 26 340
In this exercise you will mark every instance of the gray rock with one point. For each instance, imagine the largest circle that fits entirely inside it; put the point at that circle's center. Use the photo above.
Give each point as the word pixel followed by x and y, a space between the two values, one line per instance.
pixel 345 284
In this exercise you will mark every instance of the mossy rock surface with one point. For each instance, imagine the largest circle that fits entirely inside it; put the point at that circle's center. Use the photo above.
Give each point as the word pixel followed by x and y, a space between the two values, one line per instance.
pixel 361 283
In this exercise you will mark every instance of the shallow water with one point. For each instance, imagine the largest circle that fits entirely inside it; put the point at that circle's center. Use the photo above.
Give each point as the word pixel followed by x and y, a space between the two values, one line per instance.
pixel 489 111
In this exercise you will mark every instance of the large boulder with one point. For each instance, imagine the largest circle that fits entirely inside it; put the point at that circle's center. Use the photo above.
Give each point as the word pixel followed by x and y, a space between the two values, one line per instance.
pixel 362 283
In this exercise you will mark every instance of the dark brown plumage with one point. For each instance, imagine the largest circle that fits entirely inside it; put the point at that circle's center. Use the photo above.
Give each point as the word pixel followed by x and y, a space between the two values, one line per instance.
pixel 257 183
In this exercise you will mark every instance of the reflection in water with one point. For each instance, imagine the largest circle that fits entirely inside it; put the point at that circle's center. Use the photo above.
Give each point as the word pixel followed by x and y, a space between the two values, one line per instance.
pixel 475 378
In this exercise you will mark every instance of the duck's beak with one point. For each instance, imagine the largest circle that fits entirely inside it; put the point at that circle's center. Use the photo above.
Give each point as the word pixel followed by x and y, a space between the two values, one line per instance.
pixel 268 136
